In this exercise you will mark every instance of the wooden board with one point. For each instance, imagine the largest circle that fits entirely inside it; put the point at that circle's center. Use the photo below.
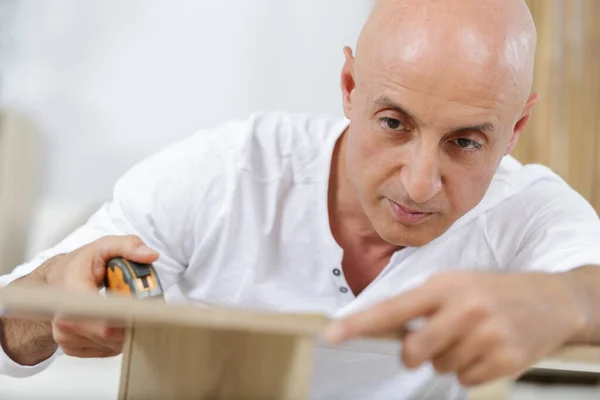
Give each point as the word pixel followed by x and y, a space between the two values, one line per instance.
pixel 189 362
pixel 174 350
pixel 180 351
pixel 44 302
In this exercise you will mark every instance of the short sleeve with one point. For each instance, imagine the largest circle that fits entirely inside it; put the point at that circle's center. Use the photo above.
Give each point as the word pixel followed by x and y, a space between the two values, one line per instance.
pixel 549 227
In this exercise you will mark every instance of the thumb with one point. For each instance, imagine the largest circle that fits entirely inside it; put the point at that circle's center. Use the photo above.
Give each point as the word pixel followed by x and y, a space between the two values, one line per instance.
pixel 129 247
pixel 103 250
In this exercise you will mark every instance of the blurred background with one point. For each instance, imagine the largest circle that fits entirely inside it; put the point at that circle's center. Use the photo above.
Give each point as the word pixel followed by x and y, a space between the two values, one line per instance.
pixel 89 88
pixel 102 84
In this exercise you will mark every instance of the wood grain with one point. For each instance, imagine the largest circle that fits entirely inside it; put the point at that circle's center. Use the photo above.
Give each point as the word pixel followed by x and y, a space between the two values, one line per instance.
pixel 172 362
pixel 45 302
pixel 564 131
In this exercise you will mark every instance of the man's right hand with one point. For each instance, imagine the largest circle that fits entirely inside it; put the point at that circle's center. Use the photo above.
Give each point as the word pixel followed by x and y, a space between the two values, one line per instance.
pixel 30 342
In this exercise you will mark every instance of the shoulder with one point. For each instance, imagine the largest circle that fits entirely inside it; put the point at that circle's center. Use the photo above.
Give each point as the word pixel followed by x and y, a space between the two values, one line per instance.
pixel 287 146
pixel 533 192
pixel 207 164
pixel 539 220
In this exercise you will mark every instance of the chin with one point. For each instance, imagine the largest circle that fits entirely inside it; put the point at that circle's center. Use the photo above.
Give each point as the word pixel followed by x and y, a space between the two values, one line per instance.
pixel 404 240
pixel 403 236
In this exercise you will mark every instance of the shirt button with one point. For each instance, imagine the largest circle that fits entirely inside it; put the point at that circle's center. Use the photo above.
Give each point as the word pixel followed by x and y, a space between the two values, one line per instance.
pixel 337 272
pixel 344 289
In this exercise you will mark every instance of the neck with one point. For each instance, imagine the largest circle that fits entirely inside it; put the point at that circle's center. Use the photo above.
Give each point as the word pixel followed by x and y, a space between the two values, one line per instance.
pixel 350 226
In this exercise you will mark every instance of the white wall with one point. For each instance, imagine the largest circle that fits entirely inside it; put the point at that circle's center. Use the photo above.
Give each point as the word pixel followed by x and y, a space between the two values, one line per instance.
pixel 107 82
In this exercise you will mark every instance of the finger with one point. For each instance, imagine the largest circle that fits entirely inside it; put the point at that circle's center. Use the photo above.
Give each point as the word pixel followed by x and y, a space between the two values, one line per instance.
pixel 101 334
pixel 67 339
pixel 443 330
pixel 88 352
pixel 386 317
pixel 84 335
pixel 464 353
pixel 96 330
pixel 130 247
pixel 101 251
pixel 492 366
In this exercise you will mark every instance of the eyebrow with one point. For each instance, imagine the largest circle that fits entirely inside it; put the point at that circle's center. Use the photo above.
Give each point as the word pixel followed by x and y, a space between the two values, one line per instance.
pixel 383 101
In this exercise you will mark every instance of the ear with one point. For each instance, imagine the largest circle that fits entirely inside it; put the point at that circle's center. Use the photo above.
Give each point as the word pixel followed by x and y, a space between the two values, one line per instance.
pixel 348 82
pixel 522 123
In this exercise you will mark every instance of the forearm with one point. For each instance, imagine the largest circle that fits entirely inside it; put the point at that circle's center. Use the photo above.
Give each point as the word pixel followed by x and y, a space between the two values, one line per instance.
pixel 27 342
pixel 584 284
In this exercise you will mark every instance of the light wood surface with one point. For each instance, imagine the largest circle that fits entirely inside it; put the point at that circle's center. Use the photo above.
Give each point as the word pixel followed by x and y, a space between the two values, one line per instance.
pixel 44 302
pixel 496 390
pixel 564 131
pixel 172 362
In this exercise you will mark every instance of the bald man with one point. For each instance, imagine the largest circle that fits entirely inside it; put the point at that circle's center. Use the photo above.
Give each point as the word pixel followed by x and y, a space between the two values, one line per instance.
pixel 409 214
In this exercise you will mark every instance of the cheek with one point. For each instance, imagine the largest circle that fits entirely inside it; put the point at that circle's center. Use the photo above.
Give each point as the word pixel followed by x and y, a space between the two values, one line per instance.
pixel 368 158
pixel 466 188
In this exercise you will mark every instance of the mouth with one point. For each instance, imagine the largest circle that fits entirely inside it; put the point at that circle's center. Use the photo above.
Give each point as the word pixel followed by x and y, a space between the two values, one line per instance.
pixel 406 215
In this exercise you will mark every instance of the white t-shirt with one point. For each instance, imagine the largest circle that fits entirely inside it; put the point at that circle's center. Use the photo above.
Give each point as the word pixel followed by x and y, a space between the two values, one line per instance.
pixel 239 215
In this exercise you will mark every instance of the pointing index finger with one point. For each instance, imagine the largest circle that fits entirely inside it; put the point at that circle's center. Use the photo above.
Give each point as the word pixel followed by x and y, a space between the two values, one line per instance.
pixel 385 318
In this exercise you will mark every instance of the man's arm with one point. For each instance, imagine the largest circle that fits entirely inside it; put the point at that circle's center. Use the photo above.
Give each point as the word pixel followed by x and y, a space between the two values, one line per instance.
pixel 483 326
pixel 27 342
pixel 156 200
pixel 584 284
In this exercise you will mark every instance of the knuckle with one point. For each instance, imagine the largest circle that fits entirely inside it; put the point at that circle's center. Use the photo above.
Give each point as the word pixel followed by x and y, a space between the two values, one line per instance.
pixel 112 244
pixel 441 365
pixel 133 240
pixel 475 311
pixel 61 337
pixel 449 361
pixel 411 353
pixel 498 334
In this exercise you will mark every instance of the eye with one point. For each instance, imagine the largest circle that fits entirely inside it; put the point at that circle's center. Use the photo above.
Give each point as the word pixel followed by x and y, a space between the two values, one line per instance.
pixel 467 144
pixel 392 124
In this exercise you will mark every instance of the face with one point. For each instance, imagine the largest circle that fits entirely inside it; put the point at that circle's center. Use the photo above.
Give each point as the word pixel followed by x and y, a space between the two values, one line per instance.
pixel 422 146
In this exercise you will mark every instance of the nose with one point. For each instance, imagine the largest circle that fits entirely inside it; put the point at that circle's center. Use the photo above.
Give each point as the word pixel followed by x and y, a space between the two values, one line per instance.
pixel 421 174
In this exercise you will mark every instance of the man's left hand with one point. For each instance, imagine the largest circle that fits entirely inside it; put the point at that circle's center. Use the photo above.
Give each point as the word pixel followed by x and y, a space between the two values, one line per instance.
pixel 481 326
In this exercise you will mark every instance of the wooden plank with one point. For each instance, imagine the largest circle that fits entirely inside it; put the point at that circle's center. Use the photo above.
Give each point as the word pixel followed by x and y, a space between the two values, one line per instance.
pixel 126 363
pixel 45 302
pixel 496 390
pixel 173 362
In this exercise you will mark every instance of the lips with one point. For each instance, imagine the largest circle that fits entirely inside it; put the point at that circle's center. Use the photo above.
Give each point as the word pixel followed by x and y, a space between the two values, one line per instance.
pixel 406 215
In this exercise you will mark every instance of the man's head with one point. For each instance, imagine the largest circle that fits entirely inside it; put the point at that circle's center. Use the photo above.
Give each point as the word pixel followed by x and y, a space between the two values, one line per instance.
pixel 437 94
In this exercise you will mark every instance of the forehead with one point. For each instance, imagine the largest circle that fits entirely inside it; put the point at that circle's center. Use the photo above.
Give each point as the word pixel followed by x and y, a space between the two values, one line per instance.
pixel 443 76
pixel 459 65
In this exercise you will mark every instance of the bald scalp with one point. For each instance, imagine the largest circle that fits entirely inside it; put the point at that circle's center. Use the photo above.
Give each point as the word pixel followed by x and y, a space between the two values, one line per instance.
pixel 452 43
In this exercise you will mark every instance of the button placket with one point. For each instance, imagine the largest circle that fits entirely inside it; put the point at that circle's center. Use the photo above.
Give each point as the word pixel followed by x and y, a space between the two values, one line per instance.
pixel 337 272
